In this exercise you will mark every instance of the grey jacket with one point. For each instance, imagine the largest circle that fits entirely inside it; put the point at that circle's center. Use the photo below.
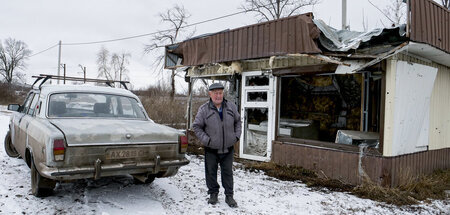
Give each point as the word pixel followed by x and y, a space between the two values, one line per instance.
pixel 215 133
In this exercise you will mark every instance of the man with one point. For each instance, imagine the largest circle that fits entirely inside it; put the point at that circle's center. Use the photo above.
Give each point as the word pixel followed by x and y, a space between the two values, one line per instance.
pixel 218 126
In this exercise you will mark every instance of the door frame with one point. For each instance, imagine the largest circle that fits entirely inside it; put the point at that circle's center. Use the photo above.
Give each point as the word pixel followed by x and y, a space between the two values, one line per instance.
pixel 269 104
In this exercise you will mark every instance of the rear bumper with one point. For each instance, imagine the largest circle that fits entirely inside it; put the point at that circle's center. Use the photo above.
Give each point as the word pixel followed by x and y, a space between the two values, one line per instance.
pixel 99 170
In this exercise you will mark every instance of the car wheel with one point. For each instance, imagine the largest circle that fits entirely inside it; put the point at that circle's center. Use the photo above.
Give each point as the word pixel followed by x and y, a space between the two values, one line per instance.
pixel 40 186
pixel 9 147
pixel 144 179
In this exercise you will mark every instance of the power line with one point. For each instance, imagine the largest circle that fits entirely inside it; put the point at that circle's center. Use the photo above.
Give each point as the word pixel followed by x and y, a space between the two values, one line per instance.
pixel 381 11
pixel 44 50
pixel 157 32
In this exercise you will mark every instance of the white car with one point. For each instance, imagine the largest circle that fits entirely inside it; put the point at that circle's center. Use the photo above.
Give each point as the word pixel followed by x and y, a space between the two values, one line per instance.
pixel 79 131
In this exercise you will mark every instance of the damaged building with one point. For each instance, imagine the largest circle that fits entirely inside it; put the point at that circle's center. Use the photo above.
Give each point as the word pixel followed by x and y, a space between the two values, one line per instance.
pixel 345 104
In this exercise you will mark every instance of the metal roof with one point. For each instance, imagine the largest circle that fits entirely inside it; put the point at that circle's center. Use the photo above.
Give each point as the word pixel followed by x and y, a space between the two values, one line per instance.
pixel 295 34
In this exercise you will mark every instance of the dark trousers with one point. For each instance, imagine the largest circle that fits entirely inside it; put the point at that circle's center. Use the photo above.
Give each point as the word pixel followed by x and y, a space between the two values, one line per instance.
pixel 212 160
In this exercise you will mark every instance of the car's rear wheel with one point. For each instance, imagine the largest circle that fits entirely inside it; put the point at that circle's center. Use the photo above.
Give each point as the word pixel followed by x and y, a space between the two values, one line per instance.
pixel 40 186
pixel 9 147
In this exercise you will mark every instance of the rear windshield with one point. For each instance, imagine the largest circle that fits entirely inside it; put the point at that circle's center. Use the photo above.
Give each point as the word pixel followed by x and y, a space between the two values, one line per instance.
pixel 91 105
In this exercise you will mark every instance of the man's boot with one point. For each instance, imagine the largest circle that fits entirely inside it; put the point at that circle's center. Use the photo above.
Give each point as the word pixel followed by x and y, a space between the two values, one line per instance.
pixel 213 198
pixel 230 201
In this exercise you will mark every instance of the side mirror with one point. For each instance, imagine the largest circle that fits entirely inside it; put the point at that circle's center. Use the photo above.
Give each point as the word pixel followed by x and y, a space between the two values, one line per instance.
pixel 13 107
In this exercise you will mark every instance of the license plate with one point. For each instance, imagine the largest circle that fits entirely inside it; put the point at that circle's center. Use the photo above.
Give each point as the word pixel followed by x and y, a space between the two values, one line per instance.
pixel 126 153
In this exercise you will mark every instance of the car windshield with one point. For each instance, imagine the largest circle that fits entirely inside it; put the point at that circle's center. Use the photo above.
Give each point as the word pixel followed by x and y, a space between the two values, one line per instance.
pixel 92 105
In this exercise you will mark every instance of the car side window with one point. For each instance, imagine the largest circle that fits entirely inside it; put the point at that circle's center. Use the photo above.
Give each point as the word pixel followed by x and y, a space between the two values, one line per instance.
pixel 34 102
pixel 26 104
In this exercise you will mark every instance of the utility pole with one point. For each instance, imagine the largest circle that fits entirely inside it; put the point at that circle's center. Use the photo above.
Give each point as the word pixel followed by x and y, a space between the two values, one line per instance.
pixel 344 14
pixel 64 67
pixel 59 60
pixel 84 71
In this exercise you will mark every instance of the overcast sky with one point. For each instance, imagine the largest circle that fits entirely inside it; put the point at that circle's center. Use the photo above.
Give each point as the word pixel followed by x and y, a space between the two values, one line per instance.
pixel 43 23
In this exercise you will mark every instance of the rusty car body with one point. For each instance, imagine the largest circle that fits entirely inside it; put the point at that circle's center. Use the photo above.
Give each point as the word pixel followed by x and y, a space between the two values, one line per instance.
pixel 81 131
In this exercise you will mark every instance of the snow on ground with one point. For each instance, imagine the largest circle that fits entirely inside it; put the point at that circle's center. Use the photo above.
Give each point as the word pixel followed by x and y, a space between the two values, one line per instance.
pixel 184 193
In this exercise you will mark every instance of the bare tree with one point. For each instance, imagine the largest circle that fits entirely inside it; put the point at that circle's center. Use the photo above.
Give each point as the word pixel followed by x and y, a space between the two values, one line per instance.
pixel 267 10
pixel 113 66
pixel 396 11
pixel 13 55
pixel 176 18
pixel 103 64
pixel 446 3
pixel 119 64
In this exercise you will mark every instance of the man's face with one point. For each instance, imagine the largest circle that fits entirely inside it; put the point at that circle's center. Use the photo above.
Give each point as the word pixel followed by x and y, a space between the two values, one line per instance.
pixel 216 96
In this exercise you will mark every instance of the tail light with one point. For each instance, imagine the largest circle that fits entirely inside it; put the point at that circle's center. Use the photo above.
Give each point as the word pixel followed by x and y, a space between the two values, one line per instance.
pixel 58 149
pixel 183 144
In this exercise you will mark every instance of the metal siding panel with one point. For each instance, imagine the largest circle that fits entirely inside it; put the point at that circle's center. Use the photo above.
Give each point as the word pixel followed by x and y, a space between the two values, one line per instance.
pixel 432 23
pixel 214 49
pixel 422 25
pixel 299 37
pixel 239 46
pixel 226 41
pixel 284 35
pixel 418 165
pixel 244 43
pixel 440 23
pixel 428 19
pixel 249 42
pixel 272 43
pixel 344 166
pixel 415 30
pixel 396 171
pixel 354 158
pixel 308 159
pixel 278 36
pixel 255 42
pixel 266 39
pixel 260 41
pixel 218 44
pixel 221 47
pixel 235 45
pixel 291 36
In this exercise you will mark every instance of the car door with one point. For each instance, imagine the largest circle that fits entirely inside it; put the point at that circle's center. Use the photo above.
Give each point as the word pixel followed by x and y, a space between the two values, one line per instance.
pixel 20 127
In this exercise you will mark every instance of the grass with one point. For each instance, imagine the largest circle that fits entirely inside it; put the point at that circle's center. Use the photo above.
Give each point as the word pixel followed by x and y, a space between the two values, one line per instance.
pixel 411 191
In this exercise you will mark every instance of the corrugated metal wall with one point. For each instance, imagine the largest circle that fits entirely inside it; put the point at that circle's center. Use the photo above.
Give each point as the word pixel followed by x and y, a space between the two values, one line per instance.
pixel 430 23
pixel 343 166
pixel 440 104
pixel 295 34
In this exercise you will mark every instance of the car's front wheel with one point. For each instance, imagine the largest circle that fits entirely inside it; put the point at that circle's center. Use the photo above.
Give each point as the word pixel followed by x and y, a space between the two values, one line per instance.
pixel 9 147
pixel 40 186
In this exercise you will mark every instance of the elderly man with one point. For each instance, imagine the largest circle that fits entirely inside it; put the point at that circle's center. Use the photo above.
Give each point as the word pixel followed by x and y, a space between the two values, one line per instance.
pixel 218 126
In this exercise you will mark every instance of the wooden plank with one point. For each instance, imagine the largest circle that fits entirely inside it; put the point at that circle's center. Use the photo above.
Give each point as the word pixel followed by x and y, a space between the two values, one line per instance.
pixel 314 69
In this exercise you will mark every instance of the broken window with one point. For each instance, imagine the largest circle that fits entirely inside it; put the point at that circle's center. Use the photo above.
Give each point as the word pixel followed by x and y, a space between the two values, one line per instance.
pixel 316 107
pixel 255 139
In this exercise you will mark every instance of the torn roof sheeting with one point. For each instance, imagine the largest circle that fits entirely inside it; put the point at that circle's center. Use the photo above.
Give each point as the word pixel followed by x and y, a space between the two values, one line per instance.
pixel 345 40
pixel 295 34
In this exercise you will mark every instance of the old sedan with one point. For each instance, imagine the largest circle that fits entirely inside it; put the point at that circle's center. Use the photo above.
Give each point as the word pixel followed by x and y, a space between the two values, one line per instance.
pixel 76 132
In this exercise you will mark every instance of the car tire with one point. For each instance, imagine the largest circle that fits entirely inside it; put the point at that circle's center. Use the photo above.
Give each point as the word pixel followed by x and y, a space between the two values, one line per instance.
pixel 9 147
pixel 40 186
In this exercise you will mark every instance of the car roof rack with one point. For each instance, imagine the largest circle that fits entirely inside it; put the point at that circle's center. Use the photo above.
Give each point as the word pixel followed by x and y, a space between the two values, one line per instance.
pixel 45 77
